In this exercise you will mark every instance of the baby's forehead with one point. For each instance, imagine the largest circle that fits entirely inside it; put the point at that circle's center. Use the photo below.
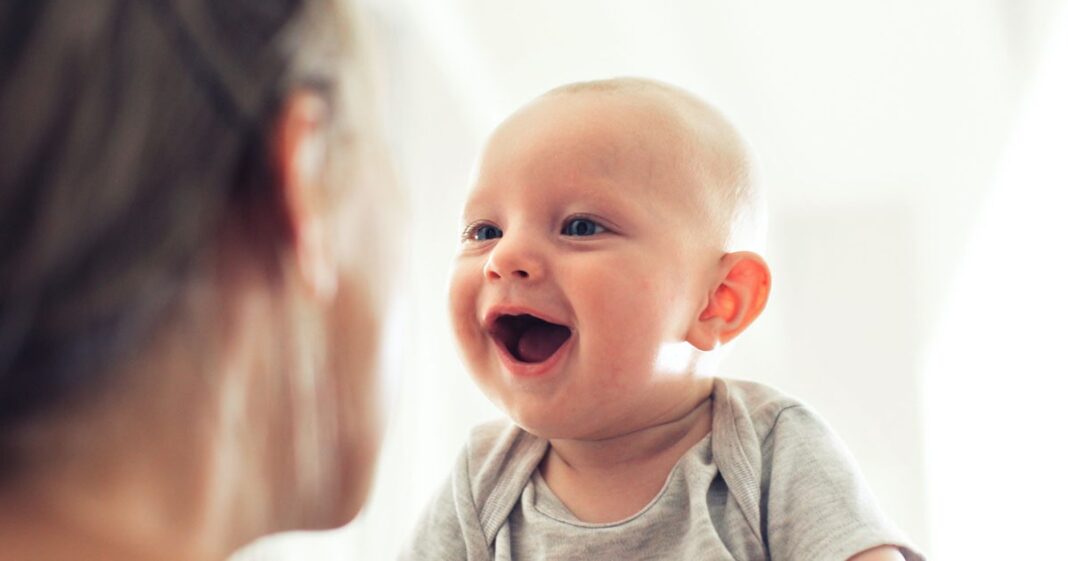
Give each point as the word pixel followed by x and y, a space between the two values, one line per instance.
pixel 579 136
pixel 625 137
pixel 647 140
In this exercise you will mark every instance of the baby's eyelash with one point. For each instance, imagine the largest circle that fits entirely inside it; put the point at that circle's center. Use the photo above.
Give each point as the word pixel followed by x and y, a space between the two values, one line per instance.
pixel 596 220
pixel 470 232
pixel 584 216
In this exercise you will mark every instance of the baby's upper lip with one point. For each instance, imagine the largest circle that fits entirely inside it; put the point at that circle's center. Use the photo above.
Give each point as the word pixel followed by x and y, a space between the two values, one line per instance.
pixel 498 310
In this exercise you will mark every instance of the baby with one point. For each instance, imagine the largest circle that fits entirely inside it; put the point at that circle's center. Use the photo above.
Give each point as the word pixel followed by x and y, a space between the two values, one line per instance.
pixel 607 258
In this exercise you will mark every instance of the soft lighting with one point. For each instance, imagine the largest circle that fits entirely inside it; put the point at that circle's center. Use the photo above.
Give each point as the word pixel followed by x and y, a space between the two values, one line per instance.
pixel 997 373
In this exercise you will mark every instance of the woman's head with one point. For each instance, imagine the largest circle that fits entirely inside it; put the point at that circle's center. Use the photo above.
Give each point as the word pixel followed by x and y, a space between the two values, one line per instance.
pixel 188 197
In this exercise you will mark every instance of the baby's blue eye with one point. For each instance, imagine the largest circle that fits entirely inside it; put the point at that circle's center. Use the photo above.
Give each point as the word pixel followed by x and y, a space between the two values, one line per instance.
pixel 486 232
pixel 581 227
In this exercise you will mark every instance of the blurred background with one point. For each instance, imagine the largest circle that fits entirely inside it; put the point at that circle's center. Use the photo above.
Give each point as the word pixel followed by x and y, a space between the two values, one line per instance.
pixel 915 158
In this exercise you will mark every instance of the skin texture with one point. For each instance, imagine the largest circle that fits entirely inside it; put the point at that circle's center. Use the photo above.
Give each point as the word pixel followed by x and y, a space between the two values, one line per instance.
pixel 213 439
pixel 654 283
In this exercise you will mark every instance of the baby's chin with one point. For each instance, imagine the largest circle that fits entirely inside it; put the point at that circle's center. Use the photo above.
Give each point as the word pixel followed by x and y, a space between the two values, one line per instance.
pixel 553 423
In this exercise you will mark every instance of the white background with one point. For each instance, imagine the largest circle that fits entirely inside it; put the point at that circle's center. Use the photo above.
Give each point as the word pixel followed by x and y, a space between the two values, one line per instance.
pixel 916 158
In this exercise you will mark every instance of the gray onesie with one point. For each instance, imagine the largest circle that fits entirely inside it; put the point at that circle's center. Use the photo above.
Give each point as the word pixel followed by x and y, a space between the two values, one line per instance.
pixel 770 481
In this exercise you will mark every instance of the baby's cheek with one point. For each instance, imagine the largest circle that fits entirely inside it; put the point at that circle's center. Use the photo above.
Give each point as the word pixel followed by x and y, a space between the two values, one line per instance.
pixel 463 312
pixel 634 297
pixel 628 319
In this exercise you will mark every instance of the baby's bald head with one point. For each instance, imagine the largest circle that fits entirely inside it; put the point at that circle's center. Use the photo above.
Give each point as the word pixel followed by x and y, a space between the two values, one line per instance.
pixel 700 142
pixel 628 210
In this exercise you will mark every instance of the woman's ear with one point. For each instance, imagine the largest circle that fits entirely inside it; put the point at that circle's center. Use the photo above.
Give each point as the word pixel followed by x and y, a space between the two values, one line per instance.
pixel 300 157
pixel 733 302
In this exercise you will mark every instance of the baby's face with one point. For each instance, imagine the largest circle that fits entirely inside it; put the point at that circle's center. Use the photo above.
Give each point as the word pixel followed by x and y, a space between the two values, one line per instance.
pixel 582 265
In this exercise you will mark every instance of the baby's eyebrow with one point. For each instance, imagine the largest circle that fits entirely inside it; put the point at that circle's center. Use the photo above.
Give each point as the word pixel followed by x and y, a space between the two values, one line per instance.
pixel 480 202
pixel 474 207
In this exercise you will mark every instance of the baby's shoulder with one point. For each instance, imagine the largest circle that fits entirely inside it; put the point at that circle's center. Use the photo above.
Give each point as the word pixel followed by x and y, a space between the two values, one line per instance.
pixel 757 406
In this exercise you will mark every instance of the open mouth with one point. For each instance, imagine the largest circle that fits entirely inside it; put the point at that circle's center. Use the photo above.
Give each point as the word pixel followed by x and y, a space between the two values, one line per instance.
pixel 528 338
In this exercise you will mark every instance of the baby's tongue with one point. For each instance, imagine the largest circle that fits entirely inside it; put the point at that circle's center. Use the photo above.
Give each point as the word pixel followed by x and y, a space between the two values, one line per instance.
pixel 540 341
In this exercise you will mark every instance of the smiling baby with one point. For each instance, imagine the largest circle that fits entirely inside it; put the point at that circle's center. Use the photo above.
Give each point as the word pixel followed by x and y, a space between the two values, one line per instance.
pixel 609 252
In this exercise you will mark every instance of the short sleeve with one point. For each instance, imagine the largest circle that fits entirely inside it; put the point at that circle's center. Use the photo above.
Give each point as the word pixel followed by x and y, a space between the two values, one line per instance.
pixel 817 506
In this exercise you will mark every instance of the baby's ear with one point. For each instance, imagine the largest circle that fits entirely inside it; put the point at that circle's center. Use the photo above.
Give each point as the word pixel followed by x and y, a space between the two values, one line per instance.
pixel 733 302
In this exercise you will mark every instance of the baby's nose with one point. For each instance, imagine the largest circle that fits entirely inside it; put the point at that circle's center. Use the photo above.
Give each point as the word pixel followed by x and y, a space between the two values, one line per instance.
pixel 512 260
pixel 493 274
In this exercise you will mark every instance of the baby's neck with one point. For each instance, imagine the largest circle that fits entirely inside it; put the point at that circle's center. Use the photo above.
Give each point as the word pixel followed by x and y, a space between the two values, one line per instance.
pixel 607 480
